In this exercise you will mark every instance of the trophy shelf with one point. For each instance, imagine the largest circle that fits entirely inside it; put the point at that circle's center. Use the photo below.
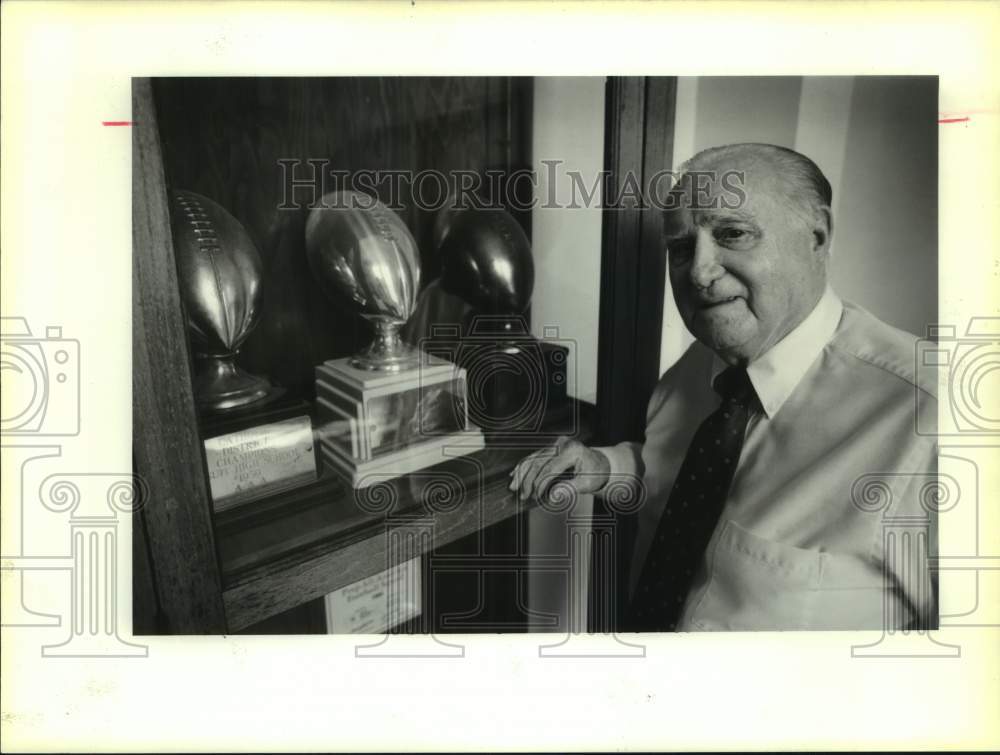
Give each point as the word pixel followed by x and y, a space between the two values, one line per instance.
pixel 288 549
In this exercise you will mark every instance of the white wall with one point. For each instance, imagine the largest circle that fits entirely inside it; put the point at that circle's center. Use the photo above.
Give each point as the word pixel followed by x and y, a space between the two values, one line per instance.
pixel 569 126
pixel 885 245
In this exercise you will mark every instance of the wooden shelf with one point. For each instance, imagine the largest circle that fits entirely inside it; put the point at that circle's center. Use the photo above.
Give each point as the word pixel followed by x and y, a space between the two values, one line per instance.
pixel 285 551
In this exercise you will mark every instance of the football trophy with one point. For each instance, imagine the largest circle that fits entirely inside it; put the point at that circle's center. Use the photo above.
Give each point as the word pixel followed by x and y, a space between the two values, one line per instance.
pixel 515 380
pixel 486 259
pixel 220 272
pixel 257 441
pixel 389 409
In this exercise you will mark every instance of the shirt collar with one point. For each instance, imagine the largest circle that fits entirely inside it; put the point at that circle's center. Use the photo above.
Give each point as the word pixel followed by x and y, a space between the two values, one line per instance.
pixel 775 374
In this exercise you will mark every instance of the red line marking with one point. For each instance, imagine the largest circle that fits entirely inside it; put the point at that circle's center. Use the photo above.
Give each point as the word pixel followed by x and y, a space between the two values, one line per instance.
pixel 953 120
pixel 117 123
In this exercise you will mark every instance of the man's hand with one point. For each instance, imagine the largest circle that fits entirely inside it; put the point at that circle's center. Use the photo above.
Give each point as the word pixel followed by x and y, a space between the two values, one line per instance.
pixel 566 462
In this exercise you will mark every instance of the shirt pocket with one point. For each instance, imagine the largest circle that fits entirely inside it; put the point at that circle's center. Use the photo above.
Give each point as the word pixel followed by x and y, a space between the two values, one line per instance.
pixel 756 584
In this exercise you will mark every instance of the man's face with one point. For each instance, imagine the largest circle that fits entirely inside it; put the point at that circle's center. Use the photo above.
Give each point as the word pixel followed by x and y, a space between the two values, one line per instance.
pixel 743 278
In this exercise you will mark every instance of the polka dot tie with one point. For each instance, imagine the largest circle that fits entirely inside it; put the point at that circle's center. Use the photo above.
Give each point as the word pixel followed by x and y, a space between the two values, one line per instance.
pixel 693 509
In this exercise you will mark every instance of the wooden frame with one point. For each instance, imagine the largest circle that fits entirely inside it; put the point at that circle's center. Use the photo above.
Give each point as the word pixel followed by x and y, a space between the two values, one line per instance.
pixel 638 142
pixel 165 444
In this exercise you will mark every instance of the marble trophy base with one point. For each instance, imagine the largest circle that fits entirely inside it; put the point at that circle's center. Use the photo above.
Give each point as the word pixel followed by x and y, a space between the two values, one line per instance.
pixel 373 426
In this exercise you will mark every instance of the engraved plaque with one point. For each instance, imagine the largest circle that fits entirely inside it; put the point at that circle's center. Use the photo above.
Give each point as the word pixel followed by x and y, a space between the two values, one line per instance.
pixel 257 461
pixel 377 603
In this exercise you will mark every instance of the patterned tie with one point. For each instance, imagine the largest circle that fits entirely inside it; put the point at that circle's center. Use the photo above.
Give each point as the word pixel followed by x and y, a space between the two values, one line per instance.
pixel 693 509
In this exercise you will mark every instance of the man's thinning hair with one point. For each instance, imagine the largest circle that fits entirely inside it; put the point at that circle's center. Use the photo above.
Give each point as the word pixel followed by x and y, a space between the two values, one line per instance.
pixel 806 184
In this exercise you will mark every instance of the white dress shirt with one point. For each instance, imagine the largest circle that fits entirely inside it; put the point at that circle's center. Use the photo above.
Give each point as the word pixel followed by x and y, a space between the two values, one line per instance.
pixel 832 469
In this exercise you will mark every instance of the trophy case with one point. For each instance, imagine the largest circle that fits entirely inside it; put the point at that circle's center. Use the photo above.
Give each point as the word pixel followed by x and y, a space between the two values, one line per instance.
pixel 331 385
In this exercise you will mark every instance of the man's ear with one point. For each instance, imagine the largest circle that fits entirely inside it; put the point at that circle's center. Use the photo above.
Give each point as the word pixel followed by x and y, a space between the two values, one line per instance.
pixel 822 231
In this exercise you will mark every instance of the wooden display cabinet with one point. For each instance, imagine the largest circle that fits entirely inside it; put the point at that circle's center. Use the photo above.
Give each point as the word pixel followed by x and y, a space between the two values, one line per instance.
pixel 262 567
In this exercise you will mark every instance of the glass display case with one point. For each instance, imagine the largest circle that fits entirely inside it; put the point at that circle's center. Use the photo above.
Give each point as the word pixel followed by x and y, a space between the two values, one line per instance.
pixel 358 303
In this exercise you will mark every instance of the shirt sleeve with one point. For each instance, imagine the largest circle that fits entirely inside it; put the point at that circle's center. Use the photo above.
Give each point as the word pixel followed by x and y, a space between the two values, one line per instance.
pixel 625 459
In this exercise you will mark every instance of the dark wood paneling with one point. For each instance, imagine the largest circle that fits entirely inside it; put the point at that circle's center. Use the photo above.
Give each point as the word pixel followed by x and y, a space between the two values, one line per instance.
pixel 620 251
pixel 638 143
pixel 224 137
pixel 166 447
pixel 658 147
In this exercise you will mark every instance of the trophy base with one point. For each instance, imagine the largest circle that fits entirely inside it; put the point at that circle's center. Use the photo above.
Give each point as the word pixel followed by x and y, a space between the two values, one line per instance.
pixel 404 359
pixel 361 474
pixel 388 352
pixel 220 386
pixel 376 425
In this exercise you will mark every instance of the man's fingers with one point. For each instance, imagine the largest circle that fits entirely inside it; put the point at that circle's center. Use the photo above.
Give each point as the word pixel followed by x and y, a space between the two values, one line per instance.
pixel 526 472
pixel 524 467
pixel 531 473
pixel 517 473
pixel 550 471
pixel 552 468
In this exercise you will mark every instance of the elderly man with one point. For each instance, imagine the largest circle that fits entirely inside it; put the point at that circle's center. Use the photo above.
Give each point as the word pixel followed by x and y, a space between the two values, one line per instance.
pixel 780 451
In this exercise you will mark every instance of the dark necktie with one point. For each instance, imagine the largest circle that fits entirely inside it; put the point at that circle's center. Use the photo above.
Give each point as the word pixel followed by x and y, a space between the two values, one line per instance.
pixel 693 509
